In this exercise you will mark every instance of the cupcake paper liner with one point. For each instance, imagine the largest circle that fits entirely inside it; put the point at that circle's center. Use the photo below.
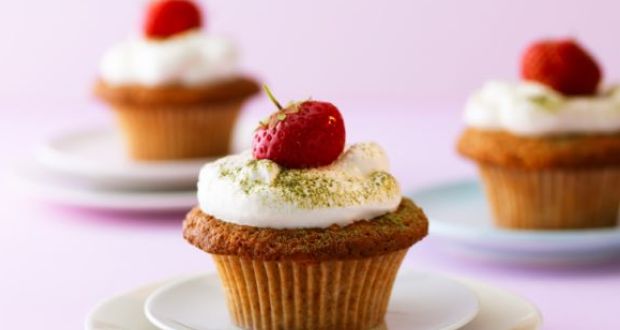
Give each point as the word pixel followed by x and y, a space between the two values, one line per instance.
pixel 177 132
pixel 553 199
pixel 335 294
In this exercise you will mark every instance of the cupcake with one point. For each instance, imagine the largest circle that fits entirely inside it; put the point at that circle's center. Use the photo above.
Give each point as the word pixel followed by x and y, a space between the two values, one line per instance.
pixel 176 92
pixel 305 232
pixel 548 147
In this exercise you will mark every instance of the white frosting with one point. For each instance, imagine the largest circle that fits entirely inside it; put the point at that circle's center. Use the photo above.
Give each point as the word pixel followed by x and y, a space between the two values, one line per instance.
pixel 532 109
pixel 190 58
pixel 260 193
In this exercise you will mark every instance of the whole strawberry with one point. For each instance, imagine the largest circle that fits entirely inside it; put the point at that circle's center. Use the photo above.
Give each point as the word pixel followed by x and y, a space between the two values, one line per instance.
pixel 165 18
pixel 304 134
pixel 562 65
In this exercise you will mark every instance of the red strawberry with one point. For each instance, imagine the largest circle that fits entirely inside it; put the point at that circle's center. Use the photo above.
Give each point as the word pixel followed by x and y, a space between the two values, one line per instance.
pixel 562 65
pixel 304 134
pixel 165 18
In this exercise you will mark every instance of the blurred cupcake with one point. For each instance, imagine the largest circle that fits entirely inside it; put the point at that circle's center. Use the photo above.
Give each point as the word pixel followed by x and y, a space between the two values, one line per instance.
pixel 548 147
pixel 305 234
pixel 176 91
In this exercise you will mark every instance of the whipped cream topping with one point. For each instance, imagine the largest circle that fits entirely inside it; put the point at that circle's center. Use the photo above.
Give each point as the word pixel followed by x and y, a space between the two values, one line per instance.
pixel 260 193
pixel 532 109
pixel 190 58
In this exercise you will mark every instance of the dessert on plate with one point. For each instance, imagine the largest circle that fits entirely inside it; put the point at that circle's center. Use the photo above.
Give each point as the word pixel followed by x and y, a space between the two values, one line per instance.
pixel 176 91
pixel 305 232
pixel 548 147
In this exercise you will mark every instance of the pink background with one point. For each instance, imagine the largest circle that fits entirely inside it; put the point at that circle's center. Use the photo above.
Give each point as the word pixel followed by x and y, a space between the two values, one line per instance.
pixel 423 51
pixel 399 70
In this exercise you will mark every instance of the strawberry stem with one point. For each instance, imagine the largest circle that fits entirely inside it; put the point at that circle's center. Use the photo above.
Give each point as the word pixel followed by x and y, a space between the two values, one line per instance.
pixel 271 97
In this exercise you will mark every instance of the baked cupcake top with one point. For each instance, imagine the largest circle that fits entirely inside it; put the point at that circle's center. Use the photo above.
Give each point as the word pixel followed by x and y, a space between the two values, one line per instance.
pixel 390 232
pixel 172 50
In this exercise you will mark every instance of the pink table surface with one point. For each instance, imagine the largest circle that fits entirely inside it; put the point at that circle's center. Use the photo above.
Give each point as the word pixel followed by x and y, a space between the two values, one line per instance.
pixel 58 262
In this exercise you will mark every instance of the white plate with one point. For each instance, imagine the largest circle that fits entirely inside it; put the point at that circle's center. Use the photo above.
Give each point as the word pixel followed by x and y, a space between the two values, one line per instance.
pixel 124 311
pixel 498 309
pixel 39 184
pixel 458 212
pixel 97 157
pixel 422 301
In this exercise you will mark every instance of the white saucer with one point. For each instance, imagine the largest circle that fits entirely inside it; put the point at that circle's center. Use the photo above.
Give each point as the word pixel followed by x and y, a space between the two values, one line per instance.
pixel 36 182
pixel 97 157
pixel 458 212
pixel 498 309
pixel 124 311
pixel 423 301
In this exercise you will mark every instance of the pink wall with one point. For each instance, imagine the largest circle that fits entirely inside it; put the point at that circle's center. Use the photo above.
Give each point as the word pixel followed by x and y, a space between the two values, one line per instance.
pixel 420 51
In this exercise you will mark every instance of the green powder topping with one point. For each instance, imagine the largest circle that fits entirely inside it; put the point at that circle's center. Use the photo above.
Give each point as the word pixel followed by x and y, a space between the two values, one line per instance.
pixel 546 102
pixel 311 190
pixel 337 185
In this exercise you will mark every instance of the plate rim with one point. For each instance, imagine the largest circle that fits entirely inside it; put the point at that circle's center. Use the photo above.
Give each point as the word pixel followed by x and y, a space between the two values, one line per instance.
pixel 443 228
pixel 48 155
pixel 46 189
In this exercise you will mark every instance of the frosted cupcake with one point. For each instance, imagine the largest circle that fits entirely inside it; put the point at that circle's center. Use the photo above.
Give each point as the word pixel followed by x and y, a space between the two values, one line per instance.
pixel 305 233
pixel 548 147
pixel 176 91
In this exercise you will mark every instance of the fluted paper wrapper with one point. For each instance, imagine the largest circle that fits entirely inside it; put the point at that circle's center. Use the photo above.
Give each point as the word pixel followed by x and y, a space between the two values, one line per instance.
pixel 339 294
pixel 178 132
pixel 553 199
